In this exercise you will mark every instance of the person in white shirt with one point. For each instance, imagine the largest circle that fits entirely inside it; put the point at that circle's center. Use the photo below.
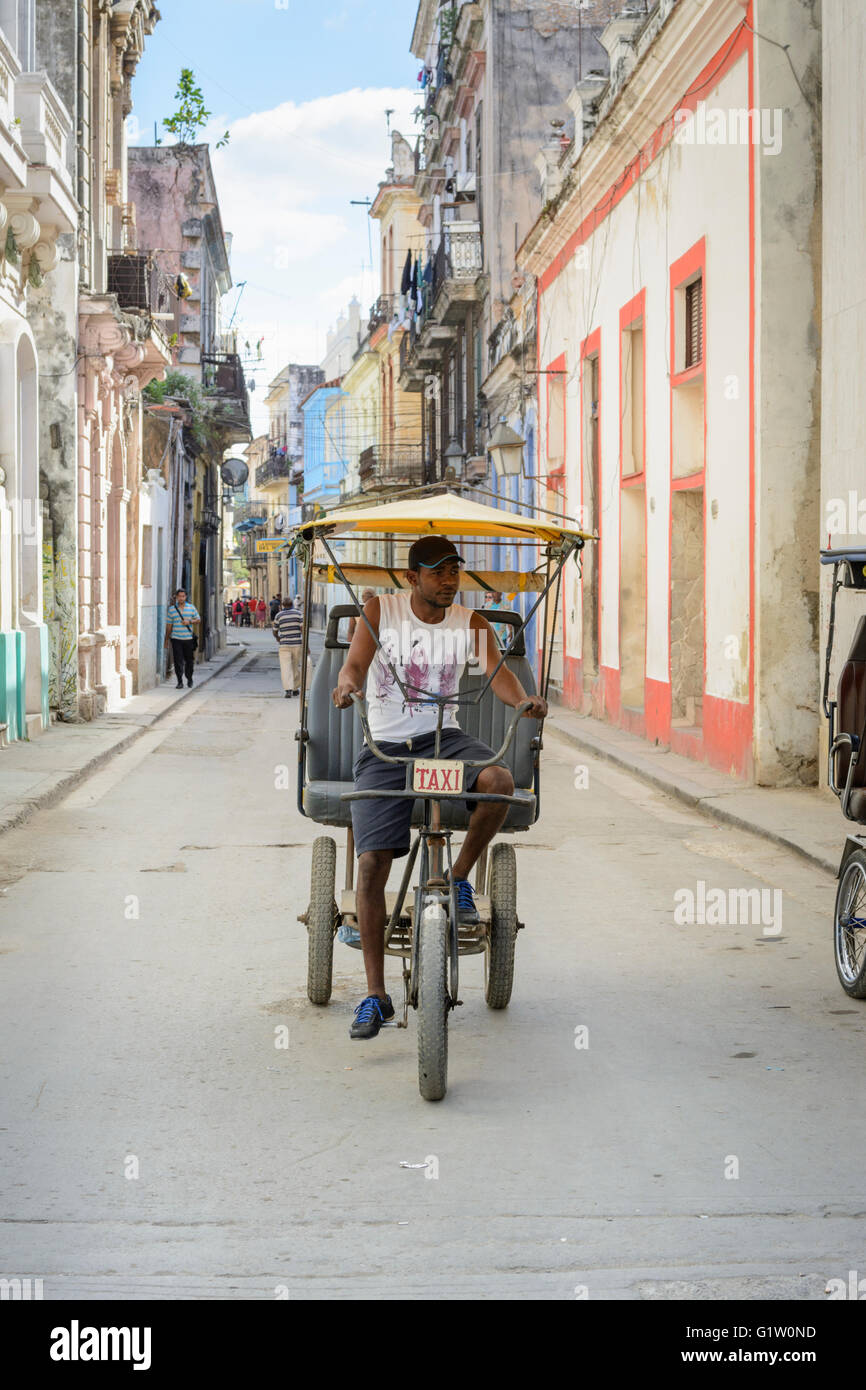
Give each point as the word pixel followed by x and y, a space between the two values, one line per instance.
pixel 428 637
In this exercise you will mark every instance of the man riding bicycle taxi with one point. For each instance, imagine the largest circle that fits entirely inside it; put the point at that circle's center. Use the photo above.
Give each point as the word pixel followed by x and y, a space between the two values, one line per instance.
pixel 428 638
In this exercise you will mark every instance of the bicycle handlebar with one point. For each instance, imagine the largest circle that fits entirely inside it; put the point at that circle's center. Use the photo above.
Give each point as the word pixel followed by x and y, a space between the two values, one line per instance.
pixel 360 704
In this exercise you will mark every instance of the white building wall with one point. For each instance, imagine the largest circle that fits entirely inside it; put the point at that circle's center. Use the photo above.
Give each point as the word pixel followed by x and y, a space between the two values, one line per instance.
pixel 155 513
pixel 843 330
pixel 689 192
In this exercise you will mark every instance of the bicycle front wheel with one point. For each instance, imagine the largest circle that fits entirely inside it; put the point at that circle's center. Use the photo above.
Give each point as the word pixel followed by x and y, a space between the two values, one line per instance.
pixel 849 931
pixel 433 1002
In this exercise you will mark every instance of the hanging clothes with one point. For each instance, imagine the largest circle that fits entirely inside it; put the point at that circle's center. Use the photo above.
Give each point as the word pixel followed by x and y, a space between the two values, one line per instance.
pixel 406 281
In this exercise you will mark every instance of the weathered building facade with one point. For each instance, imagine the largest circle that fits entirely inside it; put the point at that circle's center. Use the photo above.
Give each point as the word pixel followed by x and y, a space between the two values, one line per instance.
pixel 495 74
pixel 677 261
pixel 280 475
pixel 37 214
pixel 102 345
pixel 180 229
pixel 843 405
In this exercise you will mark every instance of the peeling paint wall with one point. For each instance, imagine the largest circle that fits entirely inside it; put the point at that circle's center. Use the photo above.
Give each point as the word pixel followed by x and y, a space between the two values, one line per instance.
pixel 787 445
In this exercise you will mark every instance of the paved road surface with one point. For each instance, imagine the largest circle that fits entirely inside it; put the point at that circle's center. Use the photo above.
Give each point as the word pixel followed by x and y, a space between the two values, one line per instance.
pixel 158 1144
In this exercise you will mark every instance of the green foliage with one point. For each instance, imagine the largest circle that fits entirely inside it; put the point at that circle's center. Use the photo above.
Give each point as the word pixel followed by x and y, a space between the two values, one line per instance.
pixel 177 385
pixel 447 26
pixel 191 113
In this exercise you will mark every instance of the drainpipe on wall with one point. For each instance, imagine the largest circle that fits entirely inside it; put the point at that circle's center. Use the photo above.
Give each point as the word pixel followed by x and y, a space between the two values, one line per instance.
pixel 83 117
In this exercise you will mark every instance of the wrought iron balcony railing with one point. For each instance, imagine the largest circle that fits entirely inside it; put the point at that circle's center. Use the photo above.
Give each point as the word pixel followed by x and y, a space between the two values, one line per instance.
pixel 140 287
pixel 398 468
pixel 382 311
pixel 224 384
pixel 275 467
pixel 459 254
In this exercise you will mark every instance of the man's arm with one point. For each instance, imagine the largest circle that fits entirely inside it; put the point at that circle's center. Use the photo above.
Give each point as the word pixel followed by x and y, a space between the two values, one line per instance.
pixel 505 684
pixel 361 652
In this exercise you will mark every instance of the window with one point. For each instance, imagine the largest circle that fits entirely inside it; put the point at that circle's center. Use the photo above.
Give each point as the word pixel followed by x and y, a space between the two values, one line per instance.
pixel 556 421
pixel 146 557
pixel 694 325
pixel 632 407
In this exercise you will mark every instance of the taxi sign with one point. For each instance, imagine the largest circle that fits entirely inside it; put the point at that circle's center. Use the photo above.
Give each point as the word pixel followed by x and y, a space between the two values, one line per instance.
pixel 443 775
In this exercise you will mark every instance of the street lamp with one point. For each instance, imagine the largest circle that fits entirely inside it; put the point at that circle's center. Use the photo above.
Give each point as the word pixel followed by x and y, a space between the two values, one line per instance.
pixel 505 448
pixel 452 461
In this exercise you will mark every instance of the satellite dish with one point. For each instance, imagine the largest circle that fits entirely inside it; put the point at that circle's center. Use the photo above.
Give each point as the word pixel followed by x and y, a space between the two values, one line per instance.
pixel 279 522
pixel 234 473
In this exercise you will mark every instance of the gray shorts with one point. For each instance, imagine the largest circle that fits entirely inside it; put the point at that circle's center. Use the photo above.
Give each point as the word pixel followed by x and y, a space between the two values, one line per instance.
pixel 385 823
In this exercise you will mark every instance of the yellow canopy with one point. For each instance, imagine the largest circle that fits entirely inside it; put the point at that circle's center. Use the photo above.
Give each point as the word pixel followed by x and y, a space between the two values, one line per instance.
pixel 445 514
pixel 378 577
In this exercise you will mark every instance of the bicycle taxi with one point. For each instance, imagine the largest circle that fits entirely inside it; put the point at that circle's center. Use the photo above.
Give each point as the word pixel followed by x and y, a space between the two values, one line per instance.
pixel 423 926
pixel 846 771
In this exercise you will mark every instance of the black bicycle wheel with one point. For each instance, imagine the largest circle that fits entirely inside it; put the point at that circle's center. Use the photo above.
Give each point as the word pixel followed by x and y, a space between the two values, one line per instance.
pixel 433 1002
pixel 499 955
pixel 849 932
pixel 321 920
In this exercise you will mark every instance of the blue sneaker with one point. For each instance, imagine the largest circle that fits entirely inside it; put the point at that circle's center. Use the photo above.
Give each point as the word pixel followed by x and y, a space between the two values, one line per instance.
pixel 467 912
pixel 349 935
pixel 370 1014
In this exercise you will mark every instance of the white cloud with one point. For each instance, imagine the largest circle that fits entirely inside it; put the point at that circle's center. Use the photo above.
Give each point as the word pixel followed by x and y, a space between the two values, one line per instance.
pixel 284 182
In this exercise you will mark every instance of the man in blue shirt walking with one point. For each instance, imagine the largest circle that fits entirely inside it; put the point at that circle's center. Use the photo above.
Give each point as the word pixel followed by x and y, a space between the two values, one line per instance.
pixel 182 617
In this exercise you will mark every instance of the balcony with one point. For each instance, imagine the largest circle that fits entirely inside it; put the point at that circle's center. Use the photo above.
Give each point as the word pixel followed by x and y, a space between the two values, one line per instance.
pixel 224 386
pixel 248 516
pixel 412 372
pixel 458 263
pixel 382 471
pixel 382 311
pixel 276 467
pixel 139 287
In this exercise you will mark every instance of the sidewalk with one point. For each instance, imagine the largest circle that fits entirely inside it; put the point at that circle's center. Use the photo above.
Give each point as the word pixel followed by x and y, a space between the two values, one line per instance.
pixel 38 773
pixel 806 820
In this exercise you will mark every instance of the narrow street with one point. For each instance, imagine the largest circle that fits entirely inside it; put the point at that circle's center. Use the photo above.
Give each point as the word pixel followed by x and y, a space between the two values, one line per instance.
pixel 161 1144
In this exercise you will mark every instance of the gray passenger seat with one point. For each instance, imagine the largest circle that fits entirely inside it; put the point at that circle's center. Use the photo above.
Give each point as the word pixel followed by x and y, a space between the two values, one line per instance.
pixel 336 739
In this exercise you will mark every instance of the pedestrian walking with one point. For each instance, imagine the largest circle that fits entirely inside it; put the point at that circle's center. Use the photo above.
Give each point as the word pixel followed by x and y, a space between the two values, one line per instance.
pixel 261 610
pixel 246 616
pixel 183 618
pixel 491 601
pixel 288 629
pixel 275 605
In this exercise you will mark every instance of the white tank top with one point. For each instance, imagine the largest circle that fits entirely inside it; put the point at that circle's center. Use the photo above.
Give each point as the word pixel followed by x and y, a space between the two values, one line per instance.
pixel 427 657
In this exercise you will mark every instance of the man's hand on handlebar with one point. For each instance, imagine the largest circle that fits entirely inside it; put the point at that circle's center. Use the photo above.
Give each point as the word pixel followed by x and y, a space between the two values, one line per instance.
pixel 537 707
pixel 345 688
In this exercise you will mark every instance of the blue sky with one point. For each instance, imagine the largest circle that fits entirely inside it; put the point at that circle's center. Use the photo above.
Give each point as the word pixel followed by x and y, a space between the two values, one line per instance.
pixel 302 87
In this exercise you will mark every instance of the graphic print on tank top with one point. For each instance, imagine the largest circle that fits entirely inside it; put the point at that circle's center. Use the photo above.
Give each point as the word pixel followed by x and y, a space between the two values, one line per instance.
pixel 428 657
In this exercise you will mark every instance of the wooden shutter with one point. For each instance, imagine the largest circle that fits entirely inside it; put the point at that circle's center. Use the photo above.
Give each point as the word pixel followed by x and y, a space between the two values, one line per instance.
pixel 694 323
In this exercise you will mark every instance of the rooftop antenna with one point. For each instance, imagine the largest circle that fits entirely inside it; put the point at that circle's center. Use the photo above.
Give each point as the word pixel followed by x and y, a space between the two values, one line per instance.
pixel 241 286
pixel 389 111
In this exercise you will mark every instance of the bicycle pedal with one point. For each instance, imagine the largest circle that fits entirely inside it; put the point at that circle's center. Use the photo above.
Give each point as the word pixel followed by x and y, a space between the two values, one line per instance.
pixel 390 1023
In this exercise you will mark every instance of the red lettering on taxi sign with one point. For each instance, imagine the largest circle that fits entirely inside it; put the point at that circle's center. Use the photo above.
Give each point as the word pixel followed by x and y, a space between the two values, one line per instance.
pixel 442 775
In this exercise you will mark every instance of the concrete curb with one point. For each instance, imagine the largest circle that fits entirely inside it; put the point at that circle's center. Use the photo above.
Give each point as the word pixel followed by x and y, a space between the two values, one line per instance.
pixel 14 814
pixel 708 804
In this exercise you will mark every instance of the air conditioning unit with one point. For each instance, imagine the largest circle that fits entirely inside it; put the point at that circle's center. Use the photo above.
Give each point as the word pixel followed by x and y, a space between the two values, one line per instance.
pixel 466 184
